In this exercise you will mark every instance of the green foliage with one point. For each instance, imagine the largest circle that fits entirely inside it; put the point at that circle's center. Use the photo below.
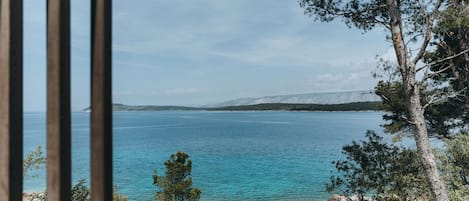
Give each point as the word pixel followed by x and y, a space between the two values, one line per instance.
pixel 408 21
pixel 34 160
pixel 449 85
pixel 393 101
pixel 393 95
pixel 116 196
pixel 365 168
pixel 366 15
pixel 407 180
pixel 451 38
pixel 176 185
pixel 380 170
pixel 80 192
pixel 455 166
pixel 353 13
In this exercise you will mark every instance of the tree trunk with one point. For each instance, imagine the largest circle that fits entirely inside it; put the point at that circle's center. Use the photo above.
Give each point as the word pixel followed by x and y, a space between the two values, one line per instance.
pixel 416 110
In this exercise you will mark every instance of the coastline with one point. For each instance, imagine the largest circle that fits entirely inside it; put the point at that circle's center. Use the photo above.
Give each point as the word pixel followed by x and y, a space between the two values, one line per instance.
pixel 32 196
pixel 286 107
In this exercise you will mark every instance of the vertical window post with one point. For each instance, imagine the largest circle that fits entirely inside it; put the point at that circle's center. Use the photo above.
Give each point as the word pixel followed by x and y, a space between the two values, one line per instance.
pixel 101 100
pixel 58 101
pixel 11 100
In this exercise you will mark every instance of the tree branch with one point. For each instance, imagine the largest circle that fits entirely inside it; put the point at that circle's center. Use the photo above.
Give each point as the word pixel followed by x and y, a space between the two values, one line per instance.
pixel 413 38
pixel 384 24
pixel 428 32
pixel 430 75
pixel 440 98
pixel 442 60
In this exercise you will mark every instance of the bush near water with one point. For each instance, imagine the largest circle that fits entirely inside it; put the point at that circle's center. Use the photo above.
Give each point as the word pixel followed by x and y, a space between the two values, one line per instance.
pixel 35 160
pixel 176 185
pixel 376 170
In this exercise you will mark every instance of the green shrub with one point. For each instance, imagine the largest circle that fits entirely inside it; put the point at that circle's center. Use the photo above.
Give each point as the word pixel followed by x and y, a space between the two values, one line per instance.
pixel 116 196
pixel 34 160
pixel 454 161
pixel 176 185
pixel 379 170
pixel 80 192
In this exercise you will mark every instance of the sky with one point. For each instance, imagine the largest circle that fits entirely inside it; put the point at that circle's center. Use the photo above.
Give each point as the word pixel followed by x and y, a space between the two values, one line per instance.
pixel 206 51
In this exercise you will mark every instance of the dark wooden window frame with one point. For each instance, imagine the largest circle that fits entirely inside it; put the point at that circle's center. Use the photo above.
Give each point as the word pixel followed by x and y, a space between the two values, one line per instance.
pixel 58 100
pixel 11 100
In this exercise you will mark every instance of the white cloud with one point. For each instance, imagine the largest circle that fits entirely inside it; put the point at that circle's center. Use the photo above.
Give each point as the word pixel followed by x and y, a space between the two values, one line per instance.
pixel 231 30
pixel 168 49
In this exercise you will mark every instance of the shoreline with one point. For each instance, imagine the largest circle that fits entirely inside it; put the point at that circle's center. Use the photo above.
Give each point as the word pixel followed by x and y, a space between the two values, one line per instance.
pixel 240 111
pixel 31 196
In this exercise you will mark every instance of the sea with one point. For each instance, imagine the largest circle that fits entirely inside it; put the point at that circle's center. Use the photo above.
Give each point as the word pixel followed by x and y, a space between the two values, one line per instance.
pixel 235 155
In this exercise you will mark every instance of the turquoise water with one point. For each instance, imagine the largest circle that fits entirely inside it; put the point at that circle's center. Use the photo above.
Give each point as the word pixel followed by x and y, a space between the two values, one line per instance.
pixel 236 155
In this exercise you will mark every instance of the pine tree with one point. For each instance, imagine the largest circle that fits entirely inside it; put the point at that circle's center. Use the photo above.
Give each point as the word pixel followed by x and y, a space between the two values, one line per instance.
pixel 177 184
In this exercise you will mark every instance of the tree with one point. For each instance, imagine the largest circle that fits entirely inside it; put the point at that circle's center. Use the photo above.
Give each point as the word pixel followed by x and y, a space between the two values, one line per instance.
pixel 34 160
pixel 440 118
pixel 380 170
pixel 176 185
pixel 80 192
pixel 455 161
pixel 444 91
pixel 405 21
pixel 448 63
pixel 116 196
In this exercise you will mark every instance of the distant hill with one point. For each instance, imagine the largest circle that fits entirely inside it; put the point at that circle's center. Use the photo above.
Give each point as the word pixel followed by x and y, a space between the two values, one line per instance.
pixel 360 106
pixel 310 98
pixel 122 107
pixel 331 101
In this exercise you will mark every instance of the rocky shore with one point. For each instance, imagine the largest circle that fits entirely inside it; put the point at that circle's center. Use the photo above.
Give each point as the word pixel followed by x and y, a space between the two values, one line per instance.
pixel 345 198
pixel 35 196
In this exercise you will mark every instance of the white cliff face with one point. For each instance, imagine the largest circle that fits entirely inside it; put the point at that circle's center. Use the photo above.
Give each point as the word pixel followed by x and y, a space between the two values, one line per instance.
pixel 311 98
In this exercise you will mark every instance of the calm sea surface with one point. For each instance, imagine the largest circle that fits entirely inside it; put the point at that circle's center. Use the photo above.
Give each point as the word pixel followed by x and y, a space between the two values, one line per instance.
pixel 236 155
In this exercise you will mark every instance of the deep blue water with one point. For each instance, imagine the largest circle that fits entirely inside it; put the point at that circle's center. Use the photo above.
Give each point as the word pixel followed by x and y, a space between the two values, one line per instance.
pixel 236 155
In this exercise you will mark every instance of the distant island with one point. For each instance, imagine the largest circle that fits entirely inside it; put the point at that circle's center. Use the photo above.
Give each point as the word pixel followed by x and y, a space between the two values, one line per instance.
pixel 328 101
pixel 358 106
pixel 306 98
pixel 122 107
